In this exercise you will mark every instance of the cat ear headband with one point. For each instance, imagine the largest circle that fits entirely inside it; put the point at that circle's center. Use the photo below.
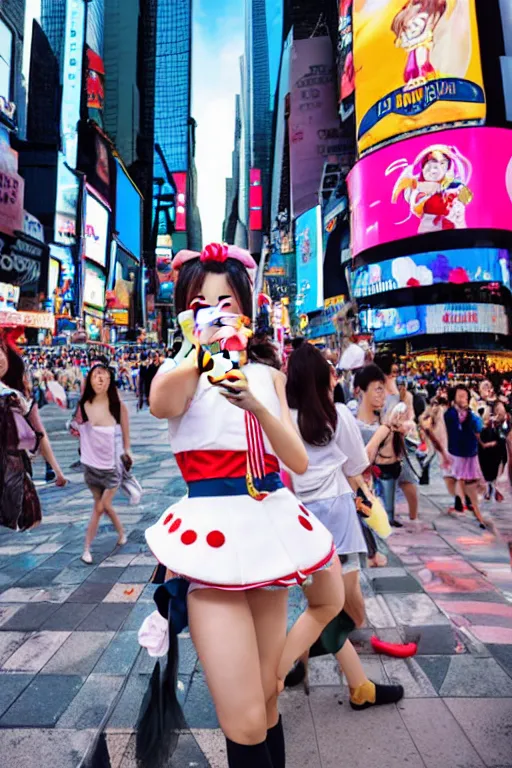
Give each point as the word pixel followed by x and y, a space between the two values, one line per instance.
pixel 220 253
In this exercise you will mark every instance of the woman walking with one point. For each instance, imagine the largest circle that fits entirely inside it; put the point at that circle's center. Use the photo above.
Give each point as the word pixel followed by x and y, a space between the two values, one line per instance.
pixel 337 461
pixel 240 538
pixel 103 426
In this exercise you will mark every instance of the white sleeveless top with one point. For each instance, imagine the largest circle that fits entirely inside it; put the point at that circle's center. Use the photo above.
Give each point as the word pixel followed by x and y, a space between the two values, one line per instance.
pixel 212 423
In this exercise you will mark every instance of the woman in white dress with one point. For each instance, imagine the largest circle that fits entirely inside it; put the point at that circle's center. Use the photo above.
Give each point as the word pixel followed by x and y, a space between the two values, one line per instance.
pixel 239 536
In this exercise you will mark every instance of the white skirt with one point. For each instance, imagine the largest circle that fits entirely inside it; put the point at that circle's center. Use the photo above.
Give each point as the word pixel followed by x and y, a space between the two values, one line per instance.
pixel 238 543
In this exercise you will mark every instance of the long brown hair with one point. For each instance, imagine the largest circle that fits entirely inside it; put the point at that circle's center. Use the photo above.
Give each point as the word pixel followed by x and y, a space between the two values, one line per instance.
pixel 190 280
pixel 15 375
pixel 308 390
pixel 434 8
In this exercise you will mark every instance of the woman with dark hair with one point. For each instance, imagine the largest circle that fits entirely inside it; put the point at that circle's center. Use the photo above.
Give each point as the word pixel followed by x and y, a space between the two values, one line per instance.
pixel 337 461
pixel 102 422
pixel 239 538
pixel 13 376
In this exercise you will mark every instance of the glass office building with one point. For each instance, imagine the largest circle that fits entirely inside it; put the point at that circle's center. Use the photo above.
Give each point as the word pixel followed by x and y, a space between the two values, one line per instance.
pixel 172 85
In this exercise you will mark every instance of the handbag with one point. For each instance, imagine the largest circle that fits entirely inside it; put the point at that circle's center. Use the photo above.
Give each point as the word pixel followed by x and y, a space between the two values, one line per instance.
pixel 131 487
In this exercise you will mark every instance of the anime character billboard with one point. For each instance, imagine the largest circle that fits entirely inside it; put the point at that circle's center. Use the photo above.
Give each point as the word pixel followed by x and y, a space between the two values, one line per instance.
pixel 417 66
pixel 462 181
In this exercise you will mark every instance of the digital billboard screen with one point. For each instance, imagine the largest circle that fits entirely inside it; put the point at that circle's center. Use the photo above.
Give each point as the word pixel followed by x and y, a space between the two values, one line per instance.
pixel 96 230
pixel 417 65
pixel 404 322
pixel 128 213
pixel 314 127
pixel 309 256
pixel 472 265
pixel 432 183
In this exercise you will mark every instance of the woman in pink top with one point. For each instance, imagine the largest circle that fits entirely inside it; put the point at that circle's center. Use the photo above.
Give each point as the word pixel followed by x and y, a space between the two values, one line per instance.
pixel 104 429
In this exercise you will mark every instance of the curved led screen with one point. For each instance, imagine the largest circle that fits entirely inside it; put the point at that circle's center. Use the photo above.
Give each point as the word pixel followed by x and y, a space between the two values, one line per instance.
pixel 471 265
pixel 403 322
pixel 457 179
pixel 417 64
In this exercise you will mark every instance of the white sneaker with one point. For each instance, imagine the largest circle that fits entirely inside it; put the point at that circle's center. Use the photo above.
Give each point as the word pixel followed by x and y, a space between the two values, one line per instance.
pixel 122 540
pixel 87 557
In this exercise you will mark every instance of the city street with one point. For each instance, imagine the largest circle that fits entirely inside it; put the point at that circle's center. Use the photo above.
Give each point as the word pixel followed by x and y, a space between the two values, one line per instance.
pixel 72 676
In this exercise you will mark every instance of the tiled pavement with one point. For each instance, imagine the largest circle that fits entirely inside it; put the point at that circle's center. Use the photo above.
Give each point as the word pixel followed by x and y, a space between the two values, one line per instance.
pixel 70 665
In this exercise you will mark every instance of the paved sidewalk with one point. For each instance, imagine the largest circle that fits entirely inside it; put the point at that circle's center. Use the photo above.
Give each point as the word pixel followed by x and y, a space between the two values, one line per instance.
pixel 70 663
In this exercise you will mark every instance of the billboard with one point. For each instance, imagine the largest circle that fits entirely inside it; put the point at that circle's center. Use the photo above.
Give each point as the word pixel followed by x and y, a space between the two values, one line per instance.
pixel 96 230
pixel 12 189
pixel 435 319
pixel 314 125
pixel 74 34
pixel 128 213
pixel 309 257
pixel 180 180
pixel 346 73
pixel 94 288
pixel 255 200
pixel 68 186
pixel 95 83
pixel 472 265
pixel 432 184
pixel 417 66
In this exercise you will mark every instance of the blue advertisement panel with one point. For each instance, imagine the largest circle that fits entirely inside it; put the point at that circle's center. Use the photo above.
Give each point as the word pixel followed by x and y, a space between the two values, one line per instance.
pixel 309 255
pixel 128 213
pixel 472 265
pixel 404 322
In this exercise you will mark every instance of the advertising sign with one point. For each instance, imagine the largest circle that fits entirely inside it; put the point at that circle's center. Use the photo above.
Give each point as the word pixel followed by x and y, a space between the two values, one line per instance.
pixel 94 289
pixel 12 189
pixel 417 66
pixel 403 322
pixel 43 320
pixel 128 213
pixel 20 262
pixel 309 255
pixel 67 271
pixel 33 227
pixel 9 297
pixel 255 200
pixel 72 78
pixel 314 124
pixel 95 230
pixel 432 183
pixel 472 265
pixel 180 180
pixel 93 327
pixel 95 80
pixel 67 202
pixel 346 71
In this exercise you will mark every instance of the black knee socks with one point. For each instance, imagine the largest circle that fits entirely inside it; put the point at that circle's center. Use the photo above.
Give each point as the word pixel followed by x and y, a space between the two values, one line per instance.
pixel 269 754
pixel 275 744
pixel 243 756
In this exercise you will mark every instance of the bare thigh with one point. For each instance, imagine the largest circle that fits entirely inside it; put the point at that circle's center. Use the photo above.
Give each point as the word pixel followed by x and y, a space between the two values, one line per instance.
pixel 108 497
pixel 269 611
pixel 222 629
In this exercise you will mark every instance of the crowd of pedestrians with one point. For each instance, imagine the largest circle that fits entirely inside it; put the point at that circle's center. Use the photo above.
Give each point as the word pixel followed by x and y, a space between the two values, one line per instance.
pixel 309 446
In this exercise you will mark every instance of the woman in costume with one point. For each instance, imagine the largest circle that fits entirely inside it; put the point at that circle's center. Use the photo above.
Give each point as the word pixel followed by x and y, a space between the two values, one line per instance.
pixel 337 461
pixel 21 434
pixel 436 187
pixel 239 535
pixel 414 27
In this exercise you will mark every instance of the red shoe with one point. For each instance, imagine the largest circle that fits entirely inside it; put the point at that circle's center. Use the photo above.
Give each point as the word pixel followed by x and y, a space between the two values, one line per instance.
pixel 499 496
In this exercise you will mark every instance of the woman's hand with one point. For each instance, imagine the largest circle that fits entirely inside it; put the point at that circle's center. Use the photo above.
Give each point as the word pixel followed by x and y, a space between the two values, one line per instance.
pixel 240 395
pixel 61 481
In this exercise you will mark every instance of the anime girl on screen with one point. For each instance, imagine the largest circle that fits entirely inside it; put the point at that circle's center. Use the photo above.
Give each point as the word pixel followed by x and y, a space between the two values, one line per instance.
pixel 435 186
pixel 414 27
